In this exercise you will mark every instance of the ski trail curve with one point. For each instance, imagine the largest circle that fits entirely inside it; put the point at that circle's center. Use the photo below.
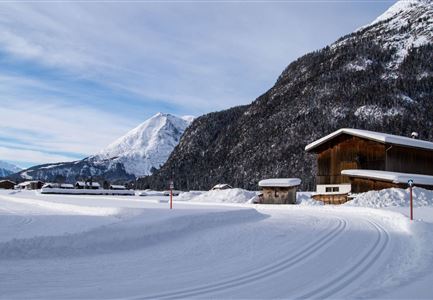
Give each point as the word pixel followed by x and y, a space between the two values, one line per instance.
pixel 282 265
pixel 338 283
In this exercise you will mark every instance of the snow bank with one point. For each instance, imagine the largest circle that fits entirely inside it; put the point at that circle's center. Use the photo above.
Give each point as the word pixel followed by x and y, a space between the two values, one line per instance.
pixel 223 196
pixel 87 191
pixel 393 197
pixel 187 196
pixel 151 193
pixel 66 208
pixel 304 199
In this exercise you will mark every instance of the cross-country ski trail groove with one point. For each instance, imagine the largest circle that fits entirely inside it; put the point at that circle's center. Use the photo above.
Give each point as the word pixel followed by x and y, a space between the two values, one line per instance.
pixel 299 257
pixel 338 283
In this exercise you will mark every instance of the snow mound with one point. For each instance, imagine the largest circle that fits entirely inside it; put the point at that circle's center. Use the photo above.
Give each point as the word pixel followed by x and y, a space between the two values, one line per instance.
pixel 304 199
pixel 187 196
pixel 222 196
pixel 393 197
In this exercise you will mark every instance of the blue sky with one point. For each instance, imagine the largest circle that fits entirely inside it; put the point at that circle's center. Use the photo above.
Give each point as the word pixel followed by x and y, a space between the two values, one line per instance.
pixel 76 76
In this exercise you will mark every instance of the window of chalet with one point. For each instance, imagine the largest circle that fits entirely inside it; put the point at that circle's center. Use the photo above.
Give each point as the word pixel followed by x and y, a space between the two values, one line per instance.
pixel 332 189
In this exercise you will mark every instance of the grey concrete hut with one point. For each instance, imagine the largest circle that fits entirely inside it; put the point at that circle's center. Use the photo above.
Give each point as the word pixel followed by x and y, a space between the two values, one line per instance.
pixel 279 190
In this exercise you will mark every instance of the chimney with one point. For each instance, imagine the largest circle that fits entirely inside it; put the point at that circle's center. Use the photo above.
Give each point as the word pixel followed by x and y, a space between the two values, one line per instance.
pixel 414 135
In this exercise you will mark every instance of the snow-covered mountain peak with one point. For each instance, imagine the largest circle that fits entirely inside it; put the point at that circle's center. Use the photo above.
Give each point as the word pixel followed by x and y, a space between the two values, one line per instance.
pixel 7 169
pixel 404 26
pixel 402 7
pixel 147 145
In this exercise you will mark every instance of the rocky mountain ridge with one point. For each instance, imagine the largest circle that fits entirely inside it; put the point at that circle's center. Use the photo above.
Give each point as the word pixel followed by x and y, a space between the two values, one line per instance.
pixel 135 154
pixel 379 78
pixel 7 169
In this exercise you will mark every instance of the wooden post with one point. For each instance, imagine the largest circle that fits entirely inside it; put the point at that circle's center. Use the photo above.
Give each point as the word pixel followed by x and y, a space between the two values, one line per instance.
pixel 410 182
pixel 171 194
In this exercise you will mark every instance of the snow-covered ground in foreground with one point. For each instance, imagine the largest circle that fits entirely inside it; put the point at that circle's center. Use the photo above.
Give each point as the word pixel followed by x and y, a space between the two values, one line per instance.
pixel 70 246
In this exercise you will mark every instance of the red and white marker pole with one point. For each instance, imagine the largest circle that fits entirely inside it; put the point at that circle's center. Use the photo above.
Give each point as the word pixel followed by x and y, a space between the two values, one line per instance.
pixel 410 182
pixel 171 194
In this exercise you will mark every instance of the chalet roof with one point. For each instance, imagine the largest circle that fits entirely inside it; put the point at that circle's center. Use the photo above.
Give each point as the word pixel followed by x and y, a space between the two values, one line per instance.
pixel 280 182
pixel 82 183
pixel 394 177
pixel 384 138
pixel 67 185
pixel 28 182
pixel 6 180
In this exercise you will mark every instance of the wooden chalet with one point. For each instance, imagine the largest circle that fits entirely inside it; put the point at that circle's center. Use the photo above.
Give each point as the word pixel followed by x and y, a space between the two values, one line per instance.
pixel 91 185
pixel 30 185
pixel 7 184
pixel 348 158
pixel 279 190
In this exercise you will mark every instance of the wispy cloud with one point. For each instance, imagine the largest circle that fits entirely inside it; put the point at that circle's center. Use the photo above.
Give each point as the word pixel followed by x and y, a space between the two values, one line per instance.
pixel 75 76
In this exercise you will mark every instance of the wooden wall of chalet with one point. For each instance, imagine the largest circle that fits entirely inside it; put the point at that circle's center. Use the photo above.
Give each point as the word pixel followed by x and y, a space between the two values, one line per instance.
pixel 362 185
pixel 409 160
pixel 6 184
pixel 279 195
pixel 347 152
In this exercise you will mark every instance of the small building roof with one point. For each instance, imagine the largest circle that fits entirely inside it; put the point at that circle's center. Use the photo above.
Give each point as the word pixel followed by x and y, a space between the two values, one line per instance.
pixel 6 180
pixel 82 183
pixel 280 182
pixel 375 136
pixel 221 186
pixel 394 177
pixel 67 185
pixel 28 182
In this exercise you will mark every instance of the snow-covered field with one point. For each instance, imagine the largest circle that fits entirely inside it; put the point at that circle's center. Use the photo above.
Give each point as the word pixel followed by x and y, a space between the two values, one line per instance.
pixel 71 246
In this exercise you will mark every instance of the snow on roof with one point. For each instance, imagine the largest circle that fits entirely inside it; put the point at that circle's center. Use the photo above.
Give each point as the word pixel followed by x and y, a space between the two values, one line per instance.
pixel 375 136
pixel 222 185
pixel 67 185
pixel 82 183
pixel 27 182
pixel 394 177
pixel 7 181
pixel 280 182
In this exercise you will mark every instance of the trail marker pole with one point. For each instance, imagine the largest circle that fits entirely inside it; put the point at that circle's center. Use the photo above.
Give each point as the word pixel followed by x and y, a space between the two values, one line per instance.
pixel 410 182
pixel 171 193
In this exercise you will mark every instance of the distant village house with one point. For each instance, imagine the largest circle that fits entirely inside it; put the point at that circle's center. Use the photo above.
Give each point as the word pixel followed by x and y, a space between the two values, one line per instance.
pixel 30 185
pixel 7 184
pixel 222 186
pixel 87 185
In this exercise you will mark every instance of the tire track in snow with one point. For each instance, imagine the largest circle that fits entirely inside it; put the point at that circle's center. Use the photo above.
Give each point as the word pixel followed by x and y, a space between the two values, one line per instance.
pixel 282 265
pixel 362 265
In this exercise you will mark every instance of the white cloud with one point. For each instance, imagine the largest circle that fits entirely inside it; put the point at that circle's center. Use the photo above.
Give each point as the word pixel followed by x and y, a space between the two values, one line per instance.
pixel 11 154
pixel 203 55
pixel 187 57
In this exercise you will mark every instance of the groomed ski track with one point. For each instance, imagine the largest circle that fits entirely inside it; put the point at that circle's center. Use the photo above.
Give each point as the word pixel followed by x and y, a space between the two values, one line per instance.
pixel 199 251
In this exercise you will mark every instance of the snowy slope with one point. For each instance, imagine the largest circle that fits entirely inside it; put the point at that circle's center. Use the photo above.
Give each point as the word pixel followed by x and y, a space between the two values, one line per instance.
pixel 8 169
pixel 406 25
pixel 135 154
pixel 148 145
pixel 124 247
pixel 377 78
